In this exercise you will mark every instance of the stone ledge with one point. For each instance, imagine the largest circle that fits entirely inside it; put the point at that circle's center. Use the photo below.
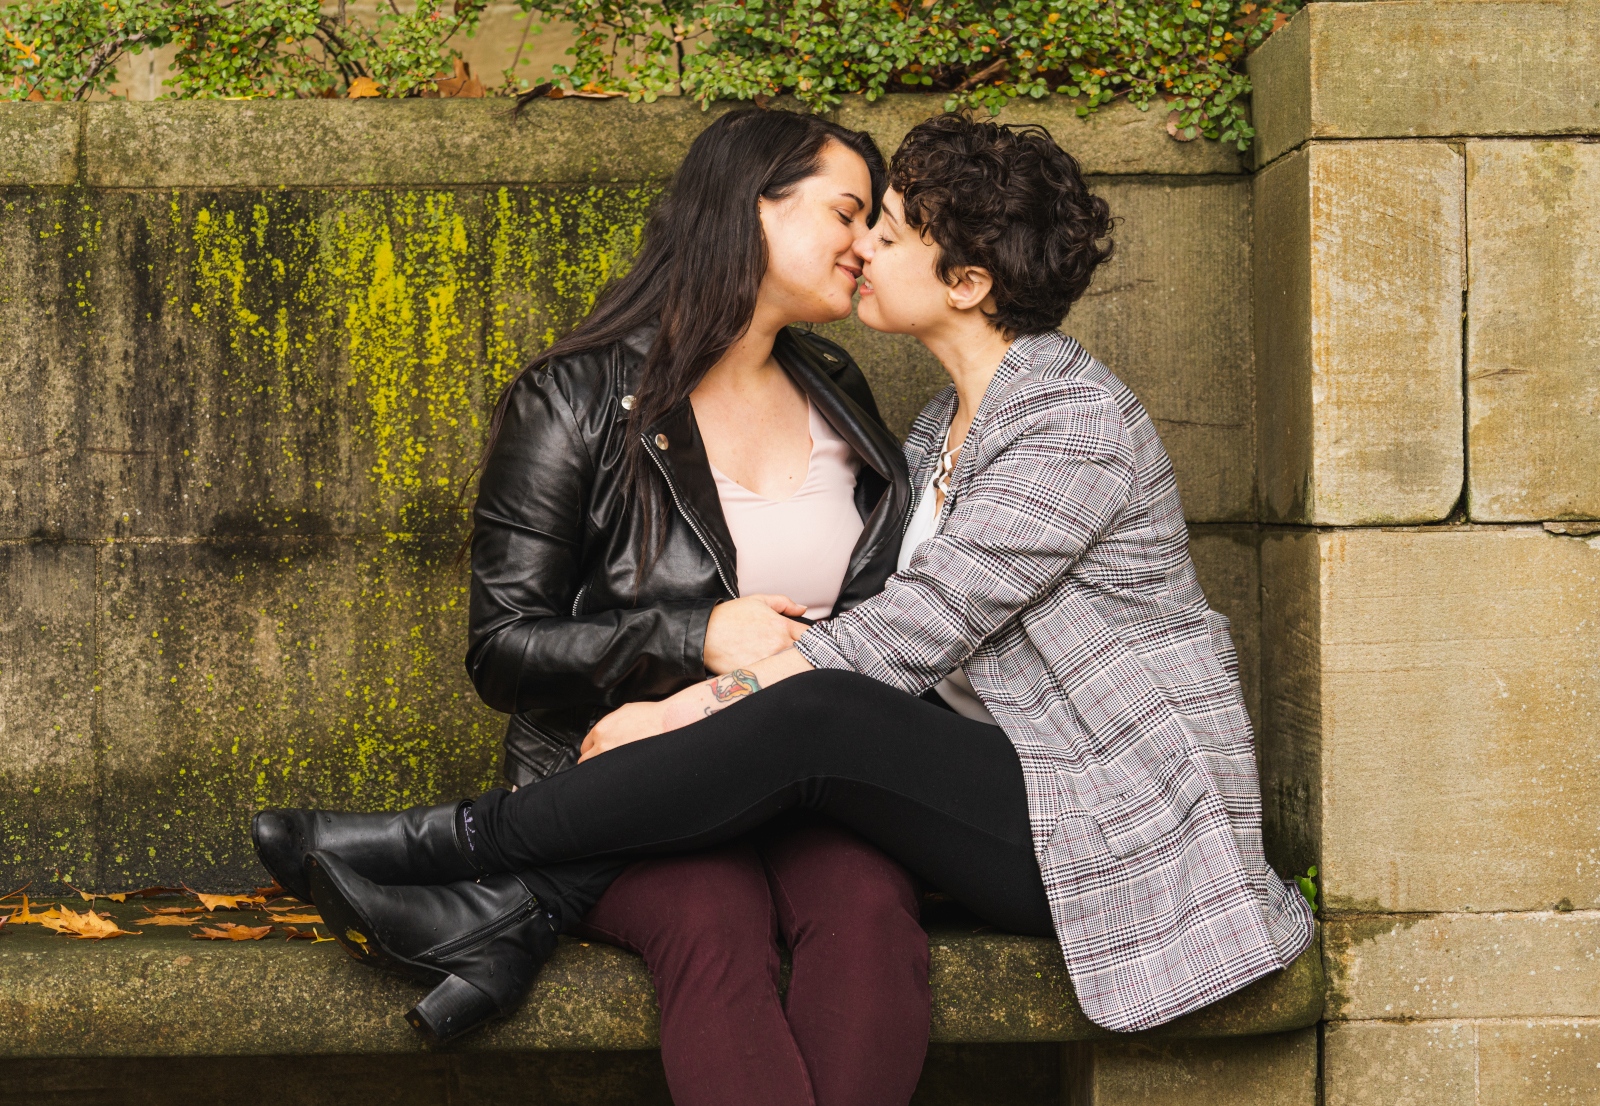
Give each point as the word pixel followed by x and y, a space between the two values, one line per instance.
pixel 166 994
pixel 1427 68
pixel 454 143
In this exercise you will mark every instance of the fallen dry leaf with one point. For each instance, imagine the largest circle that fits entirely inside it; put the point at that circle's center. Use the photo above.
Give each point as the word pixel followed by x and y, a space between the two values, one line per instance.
pixel 90 925
pixel 462 85
pixel 363 87
pixel 315 919
pixel 25 916
pixel 153 892
pixel 275 891
pixel 18 891
pixel 224 902
pixel 293 934
pixel 176 909
pixel 169 920
pixel 228 931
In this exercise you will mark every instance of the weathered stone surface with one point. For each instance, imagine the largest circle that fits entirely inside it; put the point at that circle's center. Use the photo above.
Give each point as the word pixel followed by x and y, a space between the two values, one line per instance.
pixel 243 675
pixel 1532 964
pixel 1533 1063
pixel 1399 70
pixel 1278 1070
pixel 1420 1064
pixel 1117 139
pixel 230 364
pixel 1533 330
pixel 1226 558
pixel 47 710
pixel 1431 699
pixel 38 143
pixel 1289 745
pixel 321 143
pixel 1358 284
pixel 1169 314
pixel 155 995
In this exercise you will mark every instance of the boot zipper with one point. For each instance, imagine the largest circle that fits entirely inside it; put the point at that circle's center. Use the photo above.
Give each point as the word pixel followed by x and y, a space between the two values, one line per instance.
pixel 479 936
pixel 678 503
pixel 577 600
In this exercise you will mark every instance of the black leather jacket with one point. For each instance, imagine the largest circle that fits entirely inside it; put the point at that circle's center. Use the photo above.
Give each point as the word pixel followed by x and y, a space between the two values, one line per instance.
pixel 562 631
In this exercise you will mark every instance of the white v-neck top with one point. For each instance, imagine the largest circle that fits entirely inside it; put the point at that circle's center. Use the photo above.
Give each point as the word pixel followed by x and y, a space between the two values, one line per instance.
pixel 799 546
pixel 955 688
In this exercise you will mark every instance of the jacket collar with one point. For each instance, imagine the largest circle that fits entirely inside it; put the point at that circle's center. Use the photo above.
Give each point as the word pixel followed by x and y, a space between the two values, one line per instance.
pixel 683 463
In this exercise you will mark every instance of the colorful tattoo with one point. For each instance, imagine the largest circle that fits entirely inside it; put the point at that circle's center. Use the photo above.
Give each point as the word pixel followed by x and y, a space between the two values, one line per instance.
pixel 735 685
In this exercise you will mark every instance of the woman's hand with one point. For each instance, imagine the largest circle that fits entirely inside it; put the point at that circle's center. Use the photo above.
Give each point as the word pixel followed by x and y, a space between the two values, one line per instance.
pixel 628 723
pixel 743 631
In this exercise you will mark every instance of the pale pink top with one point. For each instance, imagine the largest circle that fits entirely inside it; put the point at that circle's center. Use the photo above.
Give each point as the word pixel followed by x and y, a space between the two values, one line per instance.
pixel 799 546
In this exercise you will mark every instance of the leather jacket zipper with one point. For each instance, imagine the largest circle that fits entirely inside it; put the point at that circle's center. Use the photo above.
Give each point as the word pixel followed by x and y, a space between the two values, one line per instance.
pixel 678 503
pixel 493 929
pixel 577 600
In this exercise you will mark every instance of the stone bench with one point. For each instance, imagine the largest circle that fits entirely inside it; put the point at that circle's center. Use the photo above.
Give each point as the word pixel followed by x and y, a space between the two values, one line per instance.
pixel 165 994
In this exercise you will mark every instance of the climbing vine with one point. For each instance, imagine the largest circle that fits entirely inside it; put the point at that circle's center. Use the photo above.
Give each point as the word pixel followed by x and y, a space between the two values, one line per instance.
pixel 1185 57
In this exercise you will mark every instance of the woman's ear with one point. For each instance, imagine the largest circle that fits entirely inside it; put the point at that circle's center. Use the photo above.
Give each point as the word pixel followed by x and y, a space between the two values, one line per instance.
pixel 969 287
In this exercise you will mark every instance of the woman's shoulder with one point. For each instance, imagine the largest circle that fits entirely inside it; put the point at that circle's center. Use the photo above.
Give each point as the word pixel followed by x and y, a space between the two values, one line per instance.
pixel 587 382
pixel 836 363
pixel 1055 386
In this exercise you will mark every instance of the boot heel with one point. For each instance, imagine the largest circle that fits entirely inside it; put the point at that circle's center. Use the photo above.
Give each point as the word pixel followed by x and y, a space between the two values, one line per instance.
pixel 450 1009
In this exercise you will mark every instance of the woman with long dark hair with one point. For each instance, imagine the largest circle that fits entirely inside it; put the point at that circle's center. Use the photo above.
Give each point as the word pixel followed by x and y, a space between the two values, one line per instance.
pixel 675 489
pixel 1084 767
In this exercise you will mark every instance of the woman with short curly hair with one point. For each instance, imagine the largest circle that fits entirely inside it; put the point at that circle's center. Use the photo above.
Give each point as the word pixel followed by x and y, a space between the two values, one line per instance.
pixel 1039 713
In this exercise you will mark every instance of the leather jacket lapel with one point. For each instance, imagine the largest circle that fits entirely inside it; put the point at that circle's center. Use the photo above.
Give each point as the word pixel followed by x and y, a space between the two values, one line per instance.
pixel 872 442
pixel 674 445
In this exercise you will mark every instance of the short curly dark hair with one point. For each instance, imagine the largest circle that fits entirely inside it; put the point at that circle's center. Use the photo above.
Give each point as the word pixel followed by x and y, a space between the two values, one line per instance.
pixel 1009 200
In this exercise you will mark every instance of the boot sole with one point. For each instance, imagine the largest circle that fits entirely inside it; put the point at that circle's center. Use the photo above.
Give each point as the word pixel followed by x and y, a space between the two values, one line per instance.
pixel 452 1008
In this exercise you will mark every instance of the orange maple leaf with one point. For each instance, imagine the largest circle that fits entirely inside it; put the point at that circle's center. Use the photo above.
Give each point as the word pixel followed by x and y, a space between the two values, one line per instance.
pixel 95 927
pixel 176 909
pixel 168 920
pixel 228 931
pixel 25 916
pixel 293 934
pixel 315 919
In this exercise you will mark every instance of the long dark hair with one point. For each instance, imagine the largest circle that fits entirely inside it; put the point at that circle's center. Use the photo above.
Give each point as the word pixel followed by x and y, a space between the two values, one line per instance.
pixel 700 266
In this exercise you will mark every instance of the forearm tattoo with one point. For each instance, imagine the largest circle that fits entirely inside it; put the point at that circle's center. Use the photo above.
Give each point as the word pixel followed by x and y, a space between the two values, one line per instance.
pixel 735 685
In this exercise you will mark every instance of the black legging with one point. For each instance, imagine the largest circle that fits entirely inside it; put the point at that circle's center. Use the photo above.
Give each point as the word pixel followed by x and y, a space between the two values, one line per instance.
pixel 942 794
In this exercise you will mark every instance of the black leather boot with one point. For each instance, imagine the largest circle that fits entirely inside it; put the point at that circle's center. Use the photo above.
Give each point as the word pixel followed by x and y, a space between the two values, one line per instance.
pixel 480 943
pixel 416 846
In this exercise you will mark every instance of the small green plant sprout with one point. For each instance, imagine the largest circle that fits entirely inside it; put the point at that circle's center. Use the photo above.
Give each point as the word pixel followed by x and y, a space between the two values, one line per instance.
pixel 1308 886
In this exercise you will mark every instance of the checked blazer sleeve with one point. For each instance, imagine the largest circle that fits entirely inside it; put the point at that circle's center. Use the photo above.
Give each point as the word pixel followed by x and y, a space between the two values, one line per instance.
pixel 1005 540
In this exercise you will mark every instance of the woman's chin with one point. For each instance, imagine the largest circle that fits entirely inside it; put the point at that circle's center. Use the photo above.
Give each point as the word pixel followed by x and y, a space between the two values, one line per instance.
pixel 867 312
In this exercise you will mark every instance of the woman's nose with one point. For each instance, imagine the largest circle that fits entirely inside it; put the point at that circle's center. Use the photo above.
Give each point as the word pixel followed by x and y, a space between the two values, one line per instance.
pixel 862 246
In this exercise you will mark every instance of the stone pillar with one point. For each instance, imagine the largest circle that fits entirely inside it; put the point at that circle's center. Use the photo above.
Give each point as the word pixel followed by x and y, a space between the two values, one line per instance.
pixel 1429 409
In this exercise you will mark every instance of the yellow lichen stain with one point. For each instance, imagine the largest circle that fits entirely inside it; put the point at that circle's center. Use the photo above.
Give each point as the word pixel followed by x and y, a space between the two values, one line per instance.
pixel 364 337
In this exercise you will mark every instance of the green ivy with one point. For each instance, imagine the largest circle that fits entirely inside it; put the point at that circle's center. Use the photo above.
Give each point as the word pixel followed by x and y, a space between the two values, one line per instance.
pixel 1185 56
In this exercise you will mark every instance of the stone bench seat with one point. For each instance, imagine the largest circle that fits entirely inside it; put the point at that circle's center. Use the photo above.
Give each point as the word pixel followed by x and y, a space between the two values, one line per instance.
pixel 164 993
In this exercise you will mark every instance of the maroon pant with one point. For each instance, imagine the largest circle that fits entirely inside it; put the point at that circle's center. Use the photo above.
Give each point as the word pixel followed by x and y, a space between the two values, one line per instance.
pixel 853 1030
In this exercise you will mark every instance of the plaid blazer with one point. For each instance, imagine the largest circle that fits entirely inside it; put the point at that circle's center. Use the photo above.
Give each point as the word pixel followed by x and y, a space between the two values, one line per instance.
pixel 1060 577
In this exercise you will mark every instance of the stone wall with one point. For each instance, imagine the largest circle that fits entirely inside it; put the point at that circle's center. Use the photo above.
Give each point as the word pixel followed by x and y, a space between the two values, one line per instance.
pixel 246 356
pixel 1429 410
